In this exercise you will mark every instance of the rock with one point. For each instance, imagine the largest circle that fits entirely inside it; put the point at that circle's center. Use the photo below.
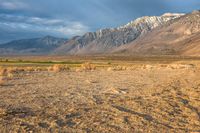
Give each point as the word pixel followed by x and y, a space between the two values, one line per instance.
pixel 104 40
pixel 43 125
pixel 72 115
pixel 60 123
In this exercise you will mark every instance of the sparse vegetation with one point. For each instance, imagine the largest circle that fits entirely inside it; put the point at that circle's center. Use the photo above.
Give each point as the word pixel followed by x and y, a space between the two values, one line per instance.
pixel 1 80
pixel 2 75
pixel 131 94
pixel 117 68
pixel 88 66
pixel 58 68
pixel 3 71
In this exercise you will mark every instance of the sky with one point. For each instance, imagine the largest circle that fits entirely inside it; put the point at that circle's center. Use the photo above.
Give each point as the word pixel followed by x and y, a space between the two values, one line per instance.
pixel 21 19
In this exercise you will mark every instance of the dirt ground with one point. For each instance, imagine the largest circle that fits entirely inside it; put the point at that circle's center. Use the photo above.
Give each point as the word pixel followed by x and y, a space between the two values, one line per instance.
pixel 141 99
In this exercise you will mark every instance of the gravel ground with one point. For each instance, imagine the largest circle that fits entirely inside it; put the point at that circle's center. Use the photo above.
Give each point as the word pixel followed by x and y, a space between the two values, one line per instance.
pixel 140 100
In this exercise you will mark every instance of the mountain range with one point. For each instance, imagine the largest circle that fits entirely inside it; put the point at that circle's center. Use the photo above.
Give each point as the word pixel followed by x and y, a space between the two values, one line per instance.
pixel 180 36
pixel 169 34
pixel 34 46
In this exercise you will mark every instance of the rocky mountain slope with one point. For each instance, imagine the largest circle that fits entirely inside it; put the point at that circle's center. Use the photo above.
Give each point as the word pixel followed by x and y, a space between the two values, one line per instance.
pixel 169 34
pixel 105 40
pixel 31 46
pixel 178 37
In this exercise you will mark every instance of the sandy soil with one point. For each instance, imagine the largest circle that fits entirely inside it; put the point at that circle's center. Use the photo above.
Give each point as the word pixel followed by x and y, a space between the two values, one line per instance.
pixel 139 100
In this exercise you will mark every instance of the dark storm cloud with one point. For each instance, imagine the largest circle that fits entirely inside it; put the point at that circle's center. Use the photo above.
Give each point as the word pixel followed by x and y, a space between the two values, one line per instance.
pixel 66 18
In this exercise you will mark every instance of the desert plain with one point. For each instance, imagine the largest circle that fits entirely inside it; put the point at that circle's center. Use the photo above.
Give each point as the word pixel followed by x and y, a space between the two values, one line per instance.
pixel 100 96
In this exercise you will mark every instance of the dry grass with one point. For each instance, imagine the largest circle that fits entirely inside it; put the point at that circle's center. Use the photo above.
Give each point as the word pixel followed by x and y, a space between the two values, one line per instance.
pixel 2 80
pixel 3 72
pixel 117 68
pixel 15 69
pixel 10 75
pixel 88 66
pixel 148 97
pixel 30 69
pixel 10 72
pixel 58 68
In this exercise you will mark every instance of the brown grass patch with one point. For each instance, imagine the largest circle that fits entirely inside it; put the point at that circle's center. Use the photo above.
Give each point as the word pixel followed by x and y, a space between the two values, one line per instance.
pixel 88 66
pixel 58 68
pixel 1 80
pixel 30 69
pixel 3 72
pixel 117 68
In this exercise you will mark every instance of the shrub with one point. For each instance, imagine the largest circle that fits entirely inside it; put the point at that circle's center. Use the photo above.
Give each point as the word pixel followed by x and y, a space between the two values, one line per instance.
pixel 18 70
pixel 1 80
pixel 30 69
pixel 88 66
pixel 38 69
pixel 117 68
pixel 58 68
pixel 3 71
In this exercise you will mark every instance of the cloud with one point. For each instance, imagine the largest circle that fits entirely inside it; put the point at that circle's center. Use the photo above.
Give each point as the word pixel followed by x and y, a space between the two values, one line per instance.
pixel 58 27
pixel 30 18
pixel 41 24
pixel 75 28
pixel 13 5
